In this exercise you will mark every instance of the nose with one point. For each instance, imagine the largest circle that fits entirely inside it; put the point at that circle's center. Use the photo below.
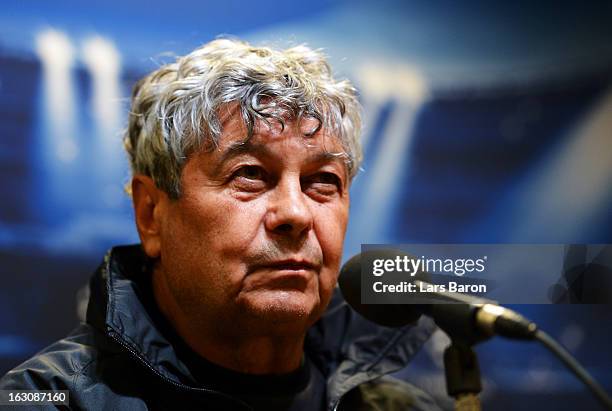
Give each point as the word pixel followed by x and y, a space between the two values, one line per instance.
pixel 288 213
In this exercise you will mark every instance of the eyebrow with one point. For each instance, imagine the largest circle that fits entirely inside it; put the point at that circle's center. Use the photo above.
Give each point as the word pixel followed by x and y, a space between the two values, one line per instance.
pixel 248 147
pixel 243 147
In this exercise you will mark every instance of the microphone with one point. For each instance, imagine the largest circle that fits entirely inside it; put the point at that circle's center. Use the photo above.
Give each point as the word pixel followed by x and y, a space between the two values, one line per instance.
pixel 462 316
pixel 465 318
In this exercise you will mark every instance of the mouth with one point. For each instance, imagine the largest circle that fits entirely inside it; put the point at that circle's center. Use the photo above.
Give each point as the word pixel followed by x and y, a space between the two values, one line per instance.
pixel 283 274
pixel 290 265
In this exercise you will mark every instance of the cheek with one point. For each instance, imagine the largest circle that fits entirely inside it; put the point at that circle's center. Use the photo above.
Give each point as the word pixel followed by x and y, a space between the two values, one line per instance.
pixel 203 242
pixel 330 228
pixel 214 233
pixel 330 225
pixel 220 224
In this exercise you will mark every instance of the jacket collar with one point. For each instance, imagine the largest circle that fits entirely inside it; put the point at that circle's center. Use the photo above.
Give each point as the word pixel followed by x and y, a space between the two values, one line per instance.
pixel 121 306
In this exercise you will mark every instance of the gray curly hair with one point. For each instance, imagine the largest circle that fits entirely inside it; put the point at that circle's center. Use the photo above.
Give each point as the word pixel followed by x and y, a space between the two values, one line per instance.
pixel 175 109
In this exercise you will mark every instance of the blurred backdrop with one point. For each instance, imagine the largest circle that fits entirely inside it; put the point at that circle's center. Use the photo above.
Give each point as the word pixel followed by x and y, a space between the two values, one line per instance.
pixel 484 123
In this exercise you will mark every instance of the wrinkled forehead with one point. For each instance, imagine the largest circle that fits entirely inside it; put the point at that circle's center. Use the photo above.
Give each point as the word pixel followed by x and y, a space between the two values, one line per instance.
pixel 305 131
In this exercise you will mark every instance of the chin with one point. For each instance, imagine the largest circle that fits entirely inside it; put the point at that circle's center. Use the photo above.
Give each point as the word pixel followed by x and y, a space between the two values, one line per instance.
pixel 283 309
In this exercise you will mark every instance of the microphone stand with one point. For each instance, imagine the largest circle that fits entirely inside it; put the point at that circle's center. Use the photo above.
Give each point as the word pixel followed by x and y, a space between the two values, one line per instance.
pixel 460 362
pixel 462 376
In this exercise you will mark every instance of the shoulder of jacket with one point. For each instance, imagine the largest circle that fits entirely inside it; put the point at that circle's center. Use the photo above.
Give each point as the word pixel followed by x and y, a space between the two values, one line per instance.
pixel 58 366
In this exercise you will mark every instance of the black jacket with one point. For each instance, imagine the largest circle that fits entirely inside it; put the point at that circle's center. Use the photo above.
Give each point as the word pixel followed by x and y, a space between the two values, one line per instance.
pixel 120 360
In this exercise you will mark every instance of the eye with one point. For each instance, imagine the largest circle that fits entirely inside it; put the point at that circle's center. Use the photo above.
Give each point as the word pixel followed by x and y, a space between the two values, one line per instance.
pixel 249 178
pixel 327 178
pixel 250 173
pixel 324 183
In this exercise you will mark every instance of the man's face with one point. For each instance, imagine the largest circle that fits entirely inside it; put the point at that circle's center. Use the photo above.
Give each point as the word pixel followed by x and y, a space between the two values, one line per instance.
pixel 254 243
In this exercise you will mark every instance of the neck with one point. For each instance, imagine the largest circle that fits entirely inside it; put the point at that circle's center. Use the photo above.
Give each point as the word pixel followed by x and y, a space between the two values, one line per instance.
pixel 263 355
pixel 220 344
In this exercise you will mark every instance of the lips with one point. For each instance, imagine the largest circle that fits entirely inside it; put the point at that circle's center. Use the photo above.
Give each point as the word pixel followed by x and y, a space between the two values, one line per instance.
pixel 290 265
pixel 290 274
pixel 296 266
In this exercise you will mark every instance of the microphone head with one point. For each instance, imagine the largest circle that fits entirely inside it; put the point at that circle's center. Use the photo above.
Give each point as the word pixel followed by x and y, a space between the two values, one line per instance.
pixel 388 315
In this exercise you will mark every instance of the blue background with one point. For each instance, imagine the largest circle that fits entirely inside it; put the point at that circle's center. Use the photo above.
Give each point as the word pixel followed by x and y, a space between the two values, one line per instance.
pixel 484 123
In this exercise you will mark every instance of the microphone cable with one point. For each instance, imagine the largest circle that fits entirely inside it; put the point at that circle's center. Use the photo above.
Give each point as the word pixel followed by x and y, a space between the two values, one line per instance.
pixel 573 365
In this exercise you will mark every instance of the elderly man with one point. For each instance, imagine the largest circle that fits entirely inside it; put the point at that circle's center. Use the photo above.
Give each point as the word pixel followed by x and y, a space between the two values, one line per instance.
pixel 242 159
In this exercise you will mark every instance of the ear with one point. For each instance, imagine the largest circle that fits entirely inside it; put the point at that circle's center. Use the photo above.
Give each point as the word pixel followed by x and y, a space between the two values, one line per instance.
pixel 150 204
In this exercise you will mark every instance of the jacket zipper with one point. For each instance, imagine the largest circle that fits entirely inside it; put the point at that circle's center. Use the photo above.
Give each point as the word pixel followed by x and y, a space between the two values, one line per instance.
pixel 115 337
